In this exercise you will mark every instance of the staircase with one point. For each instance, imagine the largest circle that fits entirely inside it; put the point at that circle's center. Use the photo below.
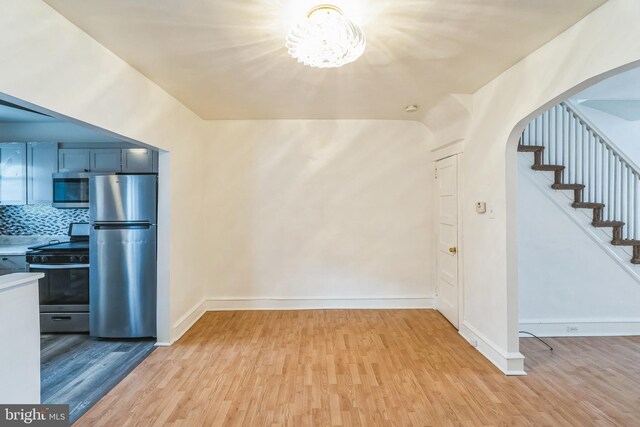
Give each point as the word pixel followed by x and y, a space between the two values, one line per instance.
pixel 585 161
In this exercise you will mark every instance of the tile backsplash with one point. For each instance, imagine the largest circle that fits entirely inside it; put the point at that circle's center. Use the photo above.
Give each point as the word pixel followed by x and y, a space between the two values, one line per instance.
pixel 37 220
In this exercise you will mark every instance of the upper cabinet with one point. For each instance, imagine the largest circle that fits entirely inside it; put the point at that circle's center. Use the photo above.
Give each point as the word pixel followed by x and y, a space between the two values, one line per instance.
pixel 26 168
pixel 74 160
pixel 13 173
pixel 42 162
pixel 139 160
pixel 106 160
pixel 127 160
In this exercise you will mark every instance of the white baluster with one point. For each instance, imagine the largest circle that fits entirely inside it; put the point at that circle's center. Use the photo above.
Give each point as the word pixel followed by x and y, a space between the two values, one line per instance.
pixel 636 213
pixel 628 200
pixel 611 183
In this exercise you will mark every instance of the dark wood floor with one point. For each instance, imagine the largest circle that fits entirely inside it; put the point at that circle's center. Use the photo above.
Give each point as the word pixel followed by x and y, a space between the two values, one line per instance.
pixel 368 368
pixel 79 370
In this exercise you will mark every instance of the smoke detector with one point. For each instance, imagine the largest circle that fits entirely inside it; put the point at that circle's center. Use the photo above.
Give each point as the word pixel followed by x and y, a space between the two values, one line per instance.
pixel 411 108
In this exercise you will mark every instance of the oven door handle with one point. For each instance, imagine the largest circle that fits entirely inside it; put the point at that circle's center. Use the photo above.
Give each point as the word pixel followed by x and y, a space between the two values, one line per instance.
pixel 57 266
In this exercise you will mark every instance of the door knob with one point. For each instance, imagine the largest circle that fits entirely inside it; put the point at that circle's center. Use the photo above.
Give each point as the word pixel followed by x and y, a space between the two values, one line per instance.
pixel 453 250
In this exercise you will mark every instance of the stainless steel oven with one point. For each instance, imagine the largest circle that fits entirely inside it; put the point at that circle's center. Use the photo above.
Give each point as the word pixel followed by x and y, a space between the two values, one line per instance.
pixel 71 189
pixel 64 290
pixel 64 297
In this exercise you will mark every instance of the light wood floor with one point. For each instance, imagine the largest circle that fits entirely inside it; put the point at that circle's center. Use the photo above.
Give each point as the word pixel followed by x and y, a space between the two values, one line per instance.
pixel 368 368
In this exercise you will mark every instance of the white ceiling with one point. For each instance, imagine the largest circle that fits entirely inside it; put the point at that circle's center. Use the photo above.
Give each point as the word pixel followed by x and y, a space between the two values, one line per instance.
pixel 618 95
pixel 626 109
pixel 225 59
pixel 625 85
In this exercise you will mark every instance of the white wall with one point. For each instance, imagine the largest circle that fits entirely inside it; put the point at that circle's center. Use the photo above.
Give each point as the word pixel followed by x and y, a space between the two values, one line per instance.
pixel 329 210
pixel 48 62
pixel 566 278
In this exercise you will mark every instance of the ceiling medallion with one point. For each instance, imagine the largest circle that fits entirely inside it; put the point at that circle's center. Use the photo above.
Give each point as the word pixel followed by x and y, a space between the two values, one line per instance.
pixel 326 38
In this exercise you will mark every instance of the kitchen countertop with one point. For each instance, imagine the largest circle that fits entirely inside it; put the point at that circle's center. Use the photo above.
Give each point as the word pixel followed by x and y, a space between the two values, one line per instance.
pixel 16 279
pixel 18 245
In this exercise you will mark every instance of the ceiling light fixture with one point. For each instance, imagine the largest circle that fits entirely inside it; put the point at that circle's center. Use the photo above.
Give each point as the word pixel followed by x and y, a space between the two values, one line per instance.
pixel 326 38
pixel 411 108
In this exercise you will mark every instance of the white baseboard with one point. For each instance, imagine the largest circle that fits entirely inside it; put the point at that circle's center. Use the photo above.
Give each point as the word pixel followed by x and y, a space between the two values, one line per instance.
pixel 580 327
pixel 187 321
pixel 221 304
pixel 237 303
pixel 509 363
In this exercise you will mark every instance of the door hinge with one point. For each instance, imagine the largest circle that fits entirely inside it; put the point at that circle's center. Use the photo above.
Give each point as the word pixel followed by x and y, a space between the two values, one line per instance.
pixel 436 173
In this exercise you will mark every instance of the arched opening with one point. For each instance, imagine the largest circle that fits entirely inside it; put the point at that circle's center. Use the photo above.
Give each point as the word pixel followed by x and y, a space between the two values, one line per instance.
pixel 513 183
pixel 34 229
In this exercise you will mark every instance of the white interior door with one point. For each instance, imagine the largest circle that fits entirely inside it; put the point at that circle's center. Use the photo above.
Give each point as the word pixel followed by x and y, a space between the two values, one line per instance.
pixel 447 235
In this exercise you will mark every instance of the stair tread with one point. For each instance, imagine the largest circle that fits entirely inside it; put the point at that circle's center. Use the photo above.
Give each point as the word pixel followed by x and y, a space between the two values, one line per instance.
pixel 568 186
pixel 625 242
pixel 547 167
pixel 587 205
pixel 530 148
pixel 607 223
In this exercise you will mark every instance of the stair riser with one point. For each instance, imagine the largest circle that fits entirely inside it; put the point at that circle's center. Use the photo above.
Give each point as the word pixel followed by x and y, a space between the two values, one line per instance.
pixel 617 233
pixel 557 177
pixel 537 157
pixel 577 196
pixel 597 215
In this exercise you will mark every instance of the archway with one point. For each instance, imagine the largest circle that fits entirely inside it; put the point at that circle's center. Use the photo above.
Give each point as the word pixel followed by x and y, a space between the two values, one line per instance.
pixel 513 299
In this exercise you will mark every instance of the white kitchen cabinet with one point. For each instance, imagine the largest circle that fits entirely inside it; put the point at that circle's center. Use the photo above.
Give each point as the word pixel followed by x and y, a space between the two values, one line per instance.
pixel 13 173
pixel 106 160
pixel 138 160
pixel 127 160
pixel 74 160
pixel 42 161
pixel 12 264
pixel 20 338
pixel 89 160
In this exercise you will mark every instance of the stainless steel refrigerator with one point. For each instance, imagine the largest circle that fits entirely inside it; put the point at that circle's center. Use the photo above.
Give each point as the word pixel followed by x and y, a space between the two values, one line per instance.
pixel 122 252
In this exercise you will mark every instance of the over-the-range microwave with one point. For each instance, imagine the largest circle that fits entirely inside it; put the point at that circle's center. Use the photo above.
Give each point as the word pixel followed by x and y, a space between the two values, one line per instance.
pixel 71 189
